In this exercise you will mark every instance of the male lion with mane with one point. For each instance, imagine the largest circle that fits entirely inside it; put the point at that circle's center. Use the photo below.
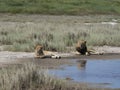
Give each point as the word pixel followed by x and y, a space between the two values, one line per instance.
pixel 40 53
pixel 81 47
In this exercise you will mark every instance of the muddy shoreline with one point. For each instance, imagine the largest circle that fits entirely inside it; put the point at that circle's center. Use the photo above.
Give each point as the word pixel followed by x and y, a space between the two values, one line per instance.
pixel 18 58
pixel 8 58
pixel 56 63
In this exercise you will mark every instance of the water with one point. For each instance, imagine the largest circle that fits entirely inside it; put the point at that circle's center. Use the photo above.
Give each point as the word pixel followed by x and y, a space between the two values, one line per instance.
pixel 93 71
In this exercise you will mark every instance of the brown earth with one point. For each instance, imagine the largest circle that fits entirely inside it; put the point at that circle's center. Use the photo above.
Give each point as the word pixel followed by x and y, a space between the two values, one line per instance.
pixel 6 57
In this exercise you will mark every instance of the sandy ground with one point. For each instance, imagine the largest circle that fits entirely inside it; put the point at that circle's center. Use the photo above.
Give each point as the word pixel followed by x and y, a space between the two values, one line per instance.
pixel 7 57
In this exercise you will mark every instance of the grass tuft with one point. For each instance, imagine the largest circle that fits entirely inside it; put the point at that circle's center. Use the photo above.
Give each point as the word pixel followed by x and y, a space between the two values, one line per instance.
pixel 28 77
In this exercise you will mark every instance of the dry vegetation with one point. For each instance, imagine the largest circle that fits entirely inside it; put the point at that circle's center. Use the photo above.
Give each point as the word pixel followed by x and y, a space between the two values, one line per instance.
pixel 31 77
pixel 23 32
pixel 58 33
pixel 28 77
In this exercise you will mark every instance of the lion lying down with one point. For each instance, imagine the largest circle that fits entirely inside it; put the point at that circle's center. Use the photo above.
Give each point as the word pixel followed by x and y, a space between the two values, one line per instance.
pixel 81 48
pixel 39 53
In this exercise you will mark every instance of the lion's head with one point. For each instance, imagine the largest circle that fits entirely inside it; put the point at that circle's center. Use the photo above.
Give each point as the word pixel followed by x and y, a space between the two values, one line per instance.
pixel 81 47
pixel 39 50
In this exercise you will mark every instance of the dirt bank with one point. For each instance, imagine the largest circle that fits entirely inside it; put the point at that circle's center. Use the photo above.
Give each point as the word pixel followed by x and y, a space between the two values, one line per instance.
pixel 7 57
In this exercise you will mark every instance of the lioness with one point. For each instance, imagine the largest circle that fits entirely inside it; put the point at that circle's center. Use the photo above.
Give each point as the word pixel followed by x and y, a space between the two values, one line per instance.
pixel 40 53
pixel 81 47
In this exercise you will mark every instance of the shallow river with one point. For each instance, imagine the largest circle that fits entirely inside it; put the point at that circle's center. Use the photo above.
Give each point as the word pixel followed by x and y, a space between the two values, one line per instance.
pixel 106 72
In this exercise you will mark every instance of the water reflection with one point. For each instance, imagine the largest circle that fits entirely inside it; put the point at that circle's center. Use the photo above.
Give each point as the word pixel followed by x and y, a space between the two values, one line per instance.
pixel 81 64
pixel 104 72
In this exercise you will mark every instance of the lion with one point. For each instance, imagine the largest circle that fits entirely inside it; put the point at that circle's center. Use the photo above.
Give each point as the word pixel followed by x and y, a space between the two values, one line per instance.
pixel 40 53
pixel 82 49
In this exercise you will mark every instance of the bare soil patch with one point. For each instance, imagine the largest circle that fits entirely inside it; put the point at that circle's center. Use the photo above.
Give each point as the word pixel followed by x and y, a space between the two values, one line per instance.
pixel 7 57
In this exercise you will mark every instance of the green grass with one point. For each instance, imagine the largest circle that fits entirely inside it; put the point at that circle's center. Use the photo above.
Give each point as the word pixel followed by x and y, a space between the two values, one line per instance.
pixel 56 33
pixel 71 7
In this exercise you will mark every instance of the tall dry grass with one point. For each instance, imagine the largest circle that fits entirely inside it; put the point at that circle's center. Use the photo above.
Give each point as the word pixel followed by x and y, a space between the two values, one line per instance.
pixel 57 33
pixel 28 77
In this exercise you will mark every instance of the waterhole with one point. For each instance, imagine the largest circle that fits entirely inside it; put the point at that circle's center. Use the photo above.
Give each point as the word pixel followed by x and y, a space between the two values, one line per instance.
pixel 106 72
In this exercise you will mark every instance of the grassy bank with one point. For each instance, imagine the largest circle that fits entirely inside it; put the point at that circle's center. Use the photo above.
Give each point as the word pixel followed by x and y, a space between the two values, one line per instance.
pixel 71 7
pixel 57 33
pixel 32 77
pixel 28 77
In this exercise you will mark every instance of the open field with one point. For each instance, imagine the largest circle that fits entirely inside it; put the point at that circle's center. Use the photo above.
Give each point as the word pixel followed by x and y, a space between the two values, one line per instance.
pixel 57 33
pixel 99 25
pixel 70 7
